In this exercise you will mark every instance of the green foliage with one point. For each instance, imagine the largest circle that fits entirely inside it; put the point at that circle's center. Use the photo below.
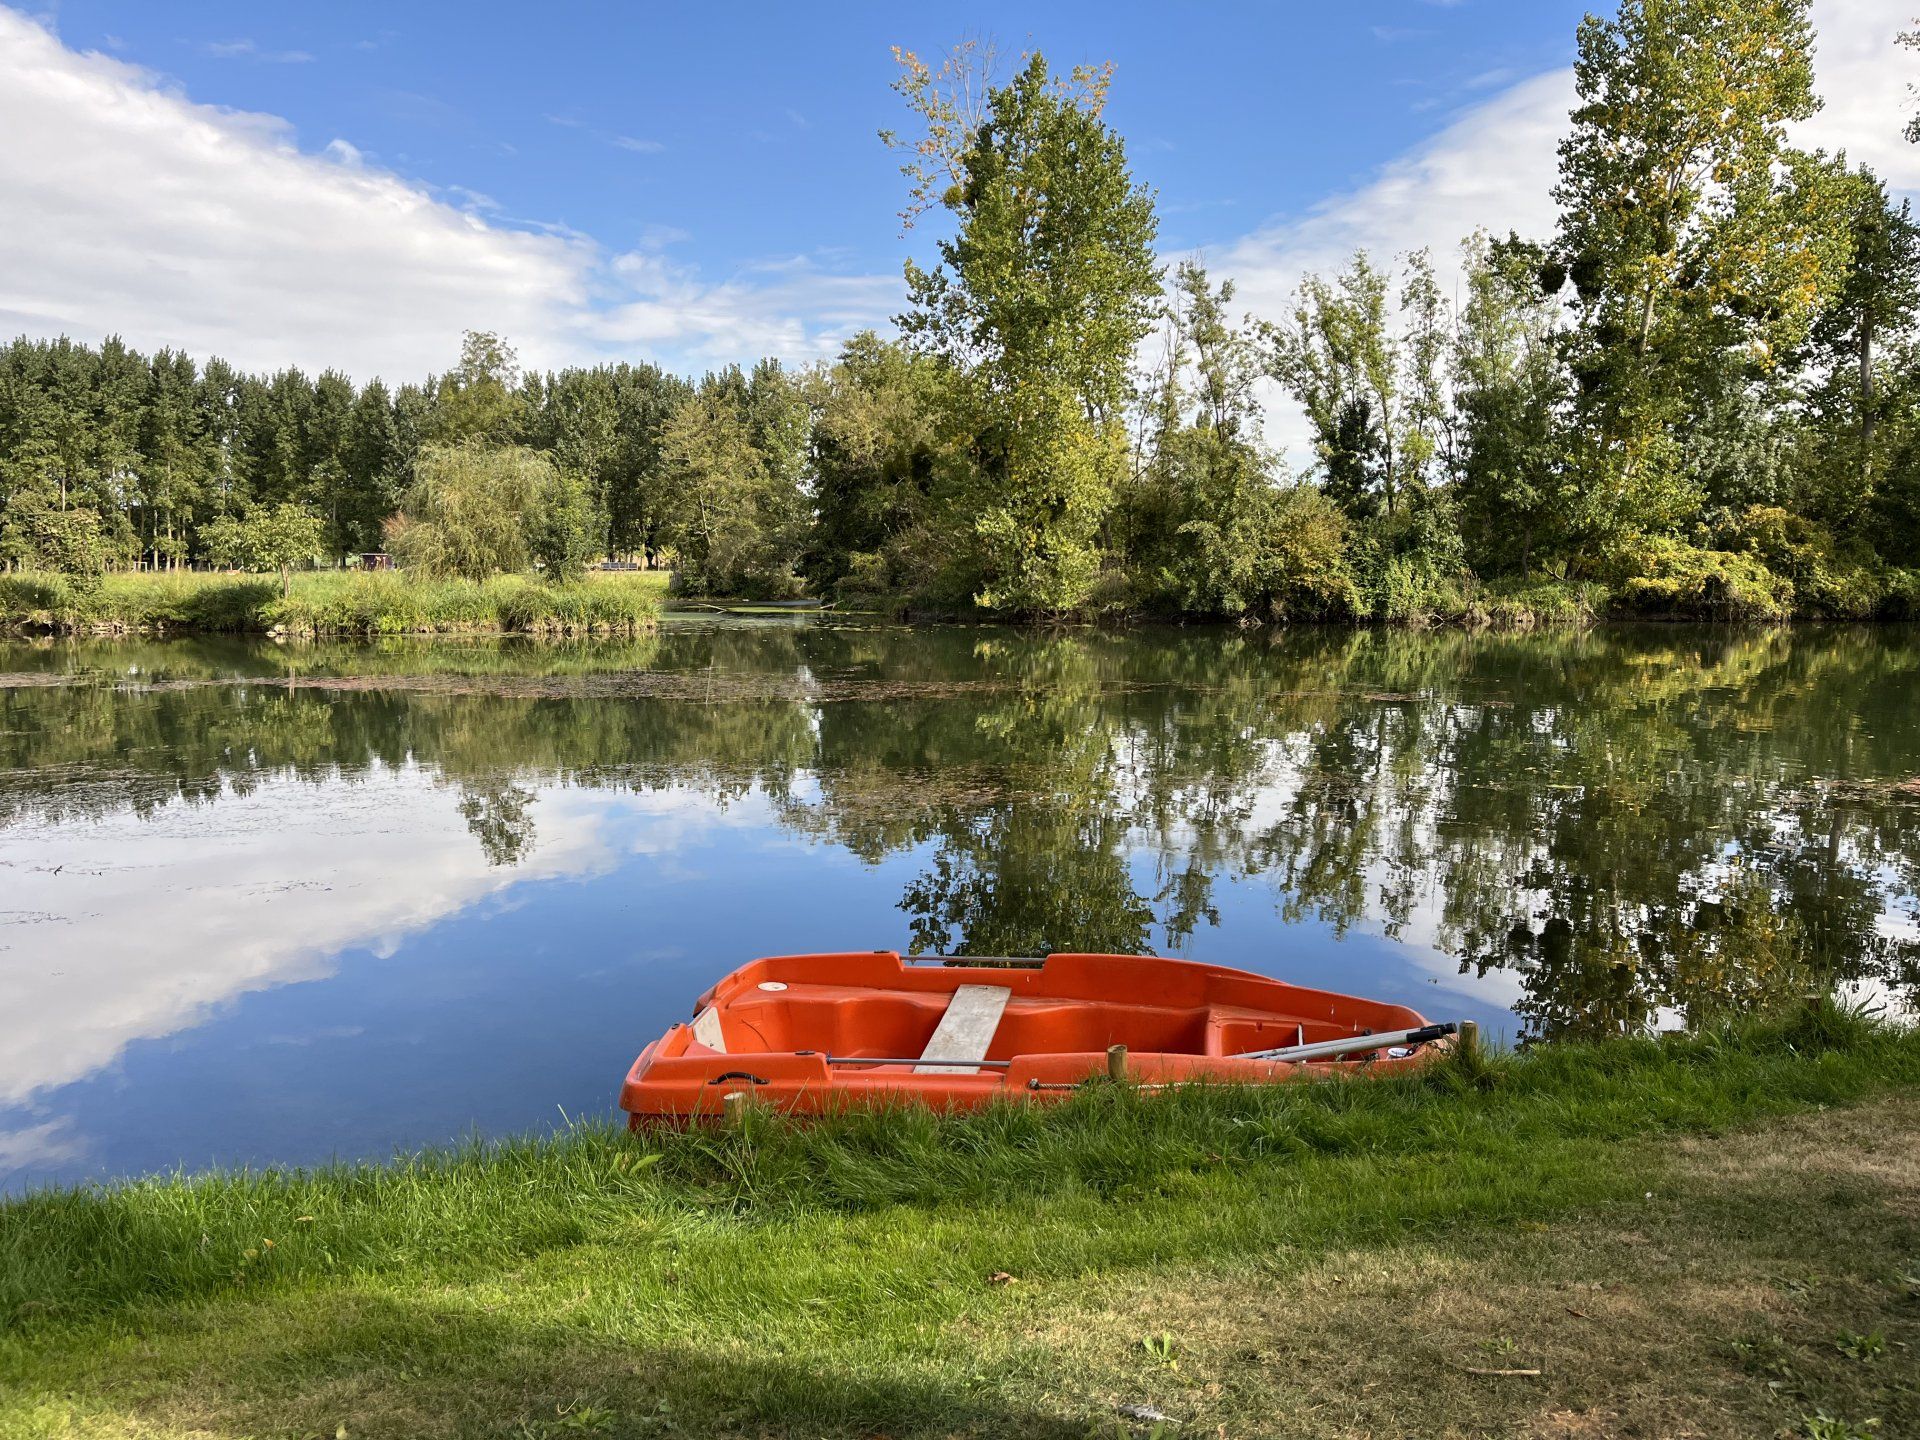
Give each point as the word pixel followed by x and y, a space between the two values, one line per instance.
pixel 468 509
pixel 279 537
pixel 476 401
pixel 350 603
pixel 1658 575
pixel 1692 234
pixel 1044 291
pixel 39 534
pixel 737 519
pixel 563 527
pixel 876 453
pixel 1372 389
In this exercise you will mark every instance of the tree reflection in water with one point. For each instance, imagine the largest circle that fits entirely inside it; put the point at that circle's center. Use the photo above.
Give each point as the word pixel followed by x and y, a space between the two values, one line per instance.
pixel 1638 824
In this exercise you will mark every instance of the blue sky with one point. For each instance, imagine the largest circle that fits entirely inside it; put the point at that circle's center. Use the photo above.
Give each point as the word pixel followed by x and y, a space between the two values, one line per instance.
pixel 764 118
pixel 354 184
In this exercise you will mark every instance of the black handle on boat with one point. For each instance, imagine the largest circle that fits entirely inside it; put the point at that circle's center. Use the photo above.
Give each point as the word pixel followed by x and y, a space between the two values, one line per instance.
pixel 737 1075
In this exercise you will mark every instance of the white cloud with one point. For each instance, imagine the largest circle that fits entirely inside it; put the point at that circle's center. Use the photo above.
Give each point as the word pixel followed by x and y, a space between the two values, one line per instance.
pixel 250 50
pixel 1494 167
pixel 219 915
pixel 127 208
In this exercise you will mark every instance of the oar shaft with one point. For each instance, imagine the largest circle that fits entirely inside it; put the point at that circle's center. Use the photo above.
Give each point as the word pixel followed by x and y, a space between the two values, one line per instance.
pixel 1352 1044
pixel 881 1060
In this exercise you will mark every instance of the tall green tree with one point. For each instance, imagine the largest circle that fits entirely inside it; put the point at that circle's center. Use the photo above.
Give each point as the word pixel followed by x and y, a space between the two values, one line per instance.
pixel 737 523
pixel 1871 316
pixel 176 457
pixel 875 452
pixel 1044 290
pixel 373 473
pixel 1370 380
pixel 1690 229
pixel 477 399
pixel 1511 391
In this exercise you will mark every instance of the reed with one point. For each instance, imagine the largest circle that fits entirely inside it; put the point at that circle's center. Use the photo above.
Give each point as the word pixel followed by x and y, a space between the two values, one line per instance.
pixel 329 603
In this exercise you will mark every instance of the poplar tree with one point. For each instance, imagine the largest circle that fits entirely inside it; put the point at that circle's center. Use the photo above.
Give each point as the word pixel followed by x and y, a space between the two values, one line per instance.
pixel 1044 290
pixel 1694 236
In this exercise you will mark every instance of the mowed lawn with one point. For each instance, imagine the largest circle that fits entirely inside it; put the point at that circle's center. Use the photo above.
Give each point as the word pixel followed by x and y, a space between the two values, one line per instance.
pixel 1716 1236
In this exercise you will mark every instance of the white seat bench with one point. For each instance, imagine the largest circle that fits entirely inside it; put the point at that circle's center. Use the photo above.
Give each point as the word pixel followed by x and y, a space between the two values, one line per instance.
pixel 966 1030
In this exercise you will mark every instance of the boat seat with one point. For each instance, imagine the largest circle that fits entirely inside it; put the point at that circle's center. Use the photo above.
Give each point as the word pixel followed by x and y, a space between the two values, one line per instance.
pixel 706 1029
pixel 966 1030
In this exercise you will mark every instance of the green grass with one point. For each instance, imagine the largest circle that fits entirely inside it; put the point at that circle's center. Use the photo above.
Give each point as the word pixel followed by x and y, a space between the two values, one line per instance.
pixel 1022 1270
pixel 330 602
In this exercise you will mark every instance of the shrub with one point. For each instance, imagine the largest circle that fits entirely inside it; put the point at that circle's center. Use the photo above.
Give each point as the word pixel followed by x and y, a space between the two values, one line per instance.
pixel 1658 575
pixel 329 603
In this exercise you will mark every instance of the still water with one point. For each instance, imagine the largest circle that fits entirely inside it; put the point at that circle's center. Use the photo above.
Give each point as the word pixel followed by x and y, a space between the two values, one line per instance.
pixel 264 903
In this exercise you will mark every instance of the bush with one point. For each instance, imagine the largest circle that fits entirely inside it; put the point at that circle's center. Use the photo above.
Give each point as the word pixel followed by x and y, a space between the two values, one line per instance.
pixel 1667 577
pixel 1827 581
pixel 330 603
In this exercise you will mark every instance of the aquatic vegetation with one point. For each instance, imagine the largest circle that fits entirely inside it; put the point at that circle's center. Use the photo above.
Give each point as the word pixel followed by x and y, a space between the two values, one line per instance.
pixel 322 603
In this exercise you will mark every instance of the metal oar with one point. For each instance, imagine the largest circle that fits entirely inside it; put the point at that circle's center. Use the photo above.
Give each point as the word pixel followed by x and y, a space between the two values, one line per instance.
pixel 1349 1044
pixel 896 1060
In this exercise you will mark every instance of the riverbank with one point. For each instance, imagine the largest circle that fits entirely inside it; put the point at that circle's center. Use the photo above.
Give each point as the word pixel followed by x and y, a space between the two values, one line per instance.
pixel 1714 1235
pixel 329 603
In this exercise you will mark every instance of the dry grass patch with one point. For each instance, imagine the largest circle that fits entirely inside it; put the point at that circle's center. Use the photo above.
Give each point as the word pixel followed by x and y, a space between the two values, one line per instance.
pixel 1757 1287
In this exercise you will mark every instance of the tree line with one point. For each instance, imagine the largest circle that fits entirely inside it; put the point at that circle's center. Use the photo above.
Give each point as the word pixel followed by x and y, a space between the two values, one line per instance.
pixel 1700 394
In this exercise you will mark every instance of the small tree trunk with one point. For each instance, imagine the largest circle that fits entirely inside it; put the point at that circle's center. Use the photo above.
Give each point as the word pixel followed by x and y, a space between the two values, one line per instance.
pixel 1866 380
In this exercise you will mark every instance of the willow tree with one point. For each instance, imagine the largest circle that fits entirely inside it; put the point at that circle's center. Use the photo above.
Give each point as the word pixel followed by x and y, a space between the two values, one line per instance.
pixel 468 509
pixel 1044 290
pixel 1699 244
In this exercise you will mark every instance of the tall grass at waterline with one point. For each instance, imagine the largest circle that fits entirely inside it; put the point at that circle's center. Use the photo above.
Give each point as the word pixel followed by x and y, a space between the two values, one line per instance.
pixel 1331 1162
pixel 329 602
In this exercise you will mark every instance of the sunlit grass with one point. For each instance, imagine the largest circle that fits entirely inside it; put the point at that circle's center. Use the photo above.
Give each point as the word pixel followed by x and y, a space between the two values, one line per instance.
pixel 889 1271
pixel 332 602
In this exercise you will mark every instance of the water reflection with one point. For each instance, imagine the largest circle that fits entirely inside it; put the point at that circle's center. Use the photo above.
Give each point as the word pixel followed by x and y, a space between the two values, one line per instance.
pixel 1599 830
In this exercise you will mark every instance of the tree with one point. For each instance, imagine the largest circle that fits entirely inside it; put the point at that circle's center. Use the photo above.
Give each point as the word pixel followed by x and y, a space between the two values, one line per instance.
pixel 1373 392
pixel 1205 497
pixel 466 513
pixel 874 453
pixel 475 400
pixel 1691 231
pixel 1873 310
pixel 176 460
pixel 1511 392
pixel 736 523
pixel 372 467
pixel 37 533
pixel 563 529
pixel 1043 292
pixel 277 537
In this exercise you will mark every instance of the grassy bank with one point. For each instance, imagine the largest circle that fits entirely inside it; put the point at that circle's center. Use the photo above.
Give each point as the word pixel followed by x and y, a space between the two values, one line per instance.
pixel 1643 1223
pixel 328 603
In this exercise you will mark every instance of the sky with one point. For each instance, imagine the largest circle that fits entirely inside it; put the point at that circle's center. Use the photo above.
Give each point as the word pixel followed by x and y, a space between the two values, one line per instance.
pixel 353 185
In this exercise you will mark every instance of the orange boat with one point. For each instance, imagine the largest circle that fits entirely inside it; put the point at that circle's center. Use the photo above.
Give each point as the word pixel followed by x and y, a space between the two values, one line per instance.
pixel 810 1033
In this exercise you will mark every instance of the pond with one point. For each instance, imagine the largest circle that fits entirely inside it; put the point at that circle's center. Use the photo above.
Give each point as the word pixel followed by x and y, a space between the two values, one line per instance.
pixel 276 903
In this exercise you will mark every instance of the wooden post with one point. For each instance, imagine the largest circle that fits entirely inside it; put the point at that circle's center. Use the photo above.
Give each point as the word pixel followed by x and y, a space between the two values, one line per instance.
pixel 1469 1042
pixel 1116 1063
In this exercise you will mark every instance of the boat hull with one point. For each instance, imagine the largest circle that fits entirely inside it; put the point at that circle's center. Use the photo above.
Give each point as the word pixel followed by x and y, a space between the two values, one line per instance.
pixel 811 1034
